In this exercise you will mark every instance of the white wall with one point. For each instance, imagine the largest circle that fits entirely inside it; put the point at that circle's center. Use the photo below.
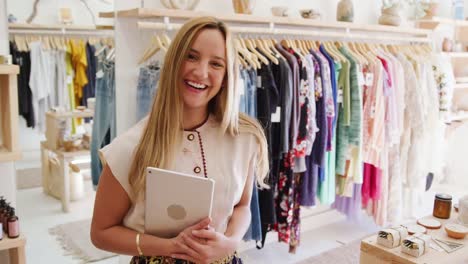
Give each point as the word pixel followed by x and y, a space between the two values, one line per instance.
pixel 47 10
pixel 3 28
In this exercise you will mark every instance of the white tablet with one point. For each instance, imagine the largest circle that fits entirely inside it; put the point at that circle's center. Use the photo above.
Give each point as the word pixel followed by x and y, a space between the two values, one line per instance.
pixel 175 201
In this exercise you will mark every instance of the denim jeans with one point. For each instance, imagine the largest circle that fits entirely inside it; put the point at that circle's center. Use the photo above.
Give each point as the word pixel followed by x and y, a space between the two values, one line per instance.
pixel 242 102
pixel 146 89
pixel 251 93
pixel 255 229
pixel 250 108
pixel 104 123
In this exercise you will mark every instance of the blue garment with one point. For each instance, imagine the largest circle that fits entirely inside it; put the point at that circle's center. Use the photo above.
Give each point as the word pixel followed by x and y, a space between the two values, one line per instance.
pixel 146 89
pixel 248 105
pixel 251 92
pixel 104 124
pixel 89 90
pixel 243 98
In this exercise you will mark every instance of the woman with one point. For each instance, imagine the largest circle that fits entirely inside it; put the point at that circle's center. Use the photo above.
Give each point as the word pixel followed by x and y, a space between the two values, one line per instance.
pixel 193 127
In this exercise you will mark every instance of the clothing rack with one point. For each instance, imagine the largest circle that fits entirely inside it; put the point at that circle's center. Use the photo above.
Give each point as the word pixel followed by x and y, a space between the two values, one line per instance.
pixel 132 33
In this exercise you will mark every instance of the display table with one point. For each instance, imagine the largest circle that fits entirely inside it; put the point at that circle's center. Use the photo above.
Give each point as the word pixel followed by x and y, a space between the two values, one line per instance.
pixel 51 145
pixel 372 253
pixel 15 248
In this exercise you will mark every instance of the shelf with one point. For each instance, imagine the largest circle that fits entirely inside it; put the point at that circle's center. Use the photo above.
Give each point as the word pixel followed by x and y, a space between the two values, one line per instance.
pixel 460 86
pixel 459 117
pixel 435 21
pixel 461 79
pixel 18 26
pixel 66 154
pixel 7 243
pixel 146 13
pixel 9 148
pixel 74 114
pixel 8 156
pixel 457 55
pixel 9 69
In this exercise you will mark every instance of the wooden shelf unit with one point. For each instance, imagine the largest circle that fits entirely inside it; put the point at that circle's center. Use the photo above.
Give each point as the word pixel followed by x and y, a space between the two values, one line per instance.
pixel 436 21
pixel 15 246
pixel 51 145
pixel 52 129
pixel 147 13
pixel 9 148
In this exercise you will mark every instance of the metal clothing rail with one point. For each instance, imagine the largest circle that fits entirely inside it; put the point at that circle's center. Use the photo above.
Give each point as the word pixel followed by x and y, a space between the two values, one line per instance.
pixel 103 34
pixel 102 30
pixel 271 30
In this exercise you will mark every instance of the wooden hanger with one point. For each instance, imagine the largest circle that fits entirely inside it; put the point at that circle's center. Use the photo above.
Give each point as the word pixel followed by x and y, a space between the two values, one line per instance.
pixel 362 60
pixel 266 52
pixel 155 46
pixel 331 49
pixel 251 46
pixel 246 54
pixel 166 41
pixel 272 45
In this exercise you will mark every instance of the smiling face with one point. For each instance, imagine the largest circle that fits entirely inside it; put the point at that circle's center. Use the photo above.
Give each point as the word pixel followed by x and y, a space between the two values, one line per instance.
pixel 204 69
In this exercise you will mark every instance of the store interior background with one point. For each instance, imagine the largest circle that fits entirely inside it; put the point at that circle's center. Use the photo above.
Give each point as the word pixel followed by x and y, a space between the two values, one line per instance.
pixel 366 12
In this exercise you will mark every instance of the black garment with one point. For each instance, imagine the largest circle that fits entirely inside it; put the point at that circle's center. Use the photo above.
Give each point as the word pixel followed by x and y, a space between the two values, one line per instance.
pixel 267 100
pixel 280 131
pixel 89 90
pixel 294 67
pixel 25 107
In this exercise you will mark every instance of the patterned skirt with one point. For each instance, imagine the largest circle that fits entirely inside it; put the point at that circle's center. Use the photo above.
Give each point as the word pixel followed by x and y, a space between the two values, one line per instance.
pixel 233 259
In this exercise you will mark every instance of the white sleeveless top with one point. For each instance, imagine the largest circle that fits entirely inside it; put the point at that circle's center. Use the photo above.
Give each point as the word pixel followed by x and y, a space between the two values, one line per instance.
pixel 230 161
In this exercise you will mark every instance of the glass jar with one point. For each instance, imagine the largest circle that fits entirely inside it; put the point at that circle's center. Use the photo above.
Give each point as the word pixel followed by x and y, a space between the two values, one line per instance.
pixel 442 206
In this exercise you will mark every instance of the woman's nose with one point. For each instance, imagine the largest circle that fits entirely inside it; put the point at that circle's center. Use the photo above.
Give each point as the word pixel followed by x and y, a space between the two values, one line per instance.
pixel 201 70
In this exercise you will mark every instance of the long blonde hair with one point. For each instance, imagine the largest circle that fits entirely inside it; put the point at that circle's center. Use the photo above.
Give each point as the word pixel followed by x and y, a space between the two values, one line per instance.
pixel 164 129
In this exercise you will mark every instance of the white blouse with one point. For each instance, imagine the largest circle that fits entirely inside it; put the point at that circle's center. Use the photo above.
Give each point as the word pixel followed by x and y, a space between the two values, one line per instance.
pixel 230 161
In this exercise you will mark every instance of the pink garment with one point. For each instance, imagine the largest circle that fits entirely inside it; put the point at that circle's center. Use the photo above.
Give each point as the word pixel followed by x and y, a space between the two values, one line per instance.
pixel 371 187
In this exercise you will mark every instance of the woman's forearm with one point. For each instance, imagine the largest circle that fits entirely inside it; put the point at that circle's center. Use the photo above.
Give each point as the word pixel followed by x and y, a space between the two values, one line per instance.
pixel 122 240
pixel 239 223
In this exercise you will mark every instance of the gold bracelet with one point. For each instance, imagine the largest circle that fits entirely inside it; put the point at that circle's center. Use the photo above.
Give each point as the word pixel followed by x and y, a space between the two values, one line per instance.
pixel 138 244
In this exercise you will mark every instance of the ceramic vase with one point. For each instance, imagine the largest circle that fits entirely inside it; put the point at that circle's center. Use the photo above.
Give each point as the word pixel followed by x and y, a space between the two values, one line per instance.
pixel 345 11
pixel 243 6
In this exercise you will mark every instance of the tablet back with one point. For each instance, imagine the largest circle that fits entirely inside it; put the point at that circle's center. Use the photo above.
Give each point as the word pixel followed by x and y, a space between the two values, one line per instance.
pixel 175 201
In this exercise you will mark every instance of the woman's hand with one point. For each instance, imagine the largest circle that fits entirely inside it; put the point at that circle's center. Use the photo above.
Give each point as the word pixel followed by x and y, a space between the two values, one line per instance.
pixel 178 243
pixel 205 246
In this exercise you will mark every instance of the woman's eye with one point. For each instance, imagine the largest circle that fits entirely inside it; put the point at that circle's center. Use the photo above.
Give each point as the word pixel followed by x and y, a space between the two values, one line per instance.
pixel 217 64
pixel 191 57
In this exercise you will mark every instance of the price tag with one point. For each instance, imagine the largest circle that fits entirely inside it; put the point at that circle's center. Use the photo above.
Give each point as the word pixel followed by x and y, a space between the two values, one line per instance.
pixel 69 79
pixel 240 86
pixel 369 79
pixel 340 96
pixel 259 81
pixel 276 116
pixel 99 74
pixel 361 80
